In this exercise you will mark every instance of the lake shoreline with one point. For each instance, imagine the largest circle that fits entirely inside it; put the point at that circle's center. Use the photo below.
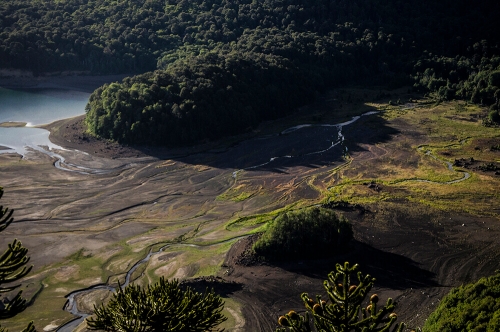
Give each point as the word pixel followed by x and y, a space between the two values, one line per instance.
pixel 68 133
pixel 71 134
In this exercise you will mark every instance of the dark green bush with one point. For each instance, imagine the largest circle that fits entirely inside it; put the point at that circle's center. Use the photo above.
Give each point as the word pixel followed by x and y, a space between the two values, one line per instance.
pixel 473 307
pixel 163 306
pixel 309 233
pixel 494 116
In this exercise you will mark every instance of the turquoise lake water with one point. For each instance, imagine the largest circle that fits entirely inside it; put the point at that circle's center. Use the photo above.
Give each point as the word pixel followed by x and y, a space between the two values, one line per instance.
pixel 36 107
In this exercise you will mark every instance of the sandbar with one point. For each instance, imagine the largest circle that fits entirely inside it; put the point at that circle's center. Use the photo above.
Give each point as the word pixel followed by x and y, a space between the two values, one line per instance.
pixel 11 124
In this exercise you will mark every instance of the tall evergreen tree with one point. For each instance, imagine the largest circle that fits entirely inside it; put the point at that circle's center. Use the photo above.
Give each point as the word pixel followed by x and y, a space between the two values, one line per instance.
pixel 163 306
pixel 344 311
pixel 12 268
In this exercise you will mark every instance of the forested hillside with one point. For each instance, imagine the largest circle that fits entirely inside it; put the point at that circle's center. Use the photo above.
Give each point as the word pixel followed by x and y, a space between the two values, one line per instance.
pixel 224 66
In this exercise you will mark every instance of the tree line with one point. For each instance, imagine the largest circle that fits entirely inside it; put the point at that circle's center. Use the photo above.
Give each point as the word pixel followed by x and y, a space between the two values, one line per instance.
pixel 474 77
pixel 333 42
pixel 204 97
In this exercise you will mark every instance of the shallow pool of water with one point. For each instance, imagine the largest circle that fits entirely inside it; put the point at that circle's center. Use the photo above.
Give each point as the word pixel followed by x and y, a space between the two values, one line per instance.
pixel 36 107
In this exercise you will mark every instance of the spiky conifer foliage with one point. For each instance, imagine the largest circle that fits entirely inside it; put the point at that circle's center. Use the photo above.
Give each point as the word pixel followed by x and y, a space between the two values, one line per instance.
pixel 12 268
pixel 163 306
pixel 343 312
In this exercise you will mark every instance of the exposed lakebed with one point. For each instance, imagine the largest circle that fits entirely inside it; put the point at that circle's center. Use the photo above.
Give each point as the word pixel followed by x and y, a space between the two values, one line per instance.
pixel 196 193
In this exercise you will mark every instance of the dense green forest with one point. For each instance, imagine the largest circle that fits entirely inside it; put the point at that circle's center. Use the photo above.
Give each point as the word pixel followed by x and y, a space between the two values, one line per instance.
pixel 472 307
pixel 218 67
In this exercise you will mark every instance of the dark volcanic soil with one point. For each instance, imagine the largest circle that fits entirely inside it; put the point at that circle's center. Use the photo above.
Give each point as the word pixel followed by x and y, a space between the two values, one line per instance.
pixel 414 261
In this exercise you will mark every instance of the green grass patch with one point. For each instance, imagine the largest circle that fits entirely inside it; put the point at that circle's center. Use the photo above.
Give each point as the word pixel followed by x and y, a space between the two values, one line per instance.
pixel 237 194
pixel 231 196
pixel 232 310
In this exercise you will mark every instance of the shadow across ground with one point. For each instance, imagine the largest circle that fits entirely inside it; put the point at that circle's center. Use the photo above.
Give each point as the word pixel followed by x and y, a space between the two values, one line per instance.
pixel 314 146
pixel 219 285
pixel 390 270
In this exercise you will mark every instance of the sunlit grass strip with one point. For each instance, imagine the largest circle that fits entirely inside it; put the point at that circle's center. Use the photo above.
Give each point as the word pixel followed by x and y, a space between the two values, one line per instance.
pixel 258 219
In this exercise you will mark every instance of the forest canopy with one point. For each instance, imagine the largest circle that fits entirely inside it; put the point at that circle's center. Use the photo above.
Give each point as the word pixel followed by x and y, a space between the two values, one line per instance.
pixel 472 307
pixel 206 97
pixel 286 48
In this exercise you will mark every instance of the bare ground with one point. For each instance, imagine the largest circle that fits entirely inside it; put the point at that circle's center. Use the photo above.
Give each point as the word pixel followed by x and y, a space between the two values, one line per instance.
pixel 415 262
pixel 415 252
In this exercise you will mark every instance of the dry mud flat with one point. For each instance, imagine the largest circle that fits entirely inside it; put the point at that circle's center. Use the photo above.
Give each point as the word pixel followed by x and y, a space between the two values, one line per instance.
pixel 417 238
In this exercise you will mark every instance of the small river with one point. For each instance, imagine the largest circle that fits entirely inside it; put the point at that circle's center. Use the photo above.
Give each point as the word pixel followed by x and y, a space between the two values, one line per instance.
pixel 36 107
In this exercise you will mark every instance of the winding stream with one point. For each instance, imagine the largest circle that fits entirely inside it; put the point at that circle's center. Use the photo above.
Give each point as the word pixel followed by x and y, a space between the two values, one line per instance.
pixel 72 305
pixel 336 140
pixel 449 165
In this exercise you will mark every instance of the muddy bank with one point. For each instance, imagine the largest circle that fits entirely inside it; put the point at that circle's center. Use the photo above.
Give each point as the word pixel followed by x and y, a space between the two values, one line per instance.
pixel 71 134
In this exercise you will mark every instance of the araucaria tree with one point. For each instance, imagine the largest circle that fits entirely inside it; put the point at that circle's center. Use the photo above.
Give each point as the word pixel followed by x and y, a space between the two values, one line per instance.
pixel 163 306
pixel 12 268
pixel 344 310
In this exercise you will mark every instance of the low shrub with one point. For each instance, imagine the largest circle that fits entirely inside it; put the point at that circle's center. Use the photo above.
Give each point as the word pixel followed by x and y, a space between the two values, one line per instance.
pixel 494 116
pixel 308 233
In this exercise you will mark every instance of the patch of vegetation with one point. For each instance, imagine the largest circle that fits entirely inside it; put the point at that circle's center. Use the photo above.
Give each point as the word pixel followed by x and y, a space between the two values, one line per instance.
pixel 494 116
pixel 163 306
pixel 473 75
pixel 472 307
pixel 236 194
pixel 258 219
pixel 79 255
pixel 249 221
pixel 489 167
pixel 13 267
pixel 308 233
